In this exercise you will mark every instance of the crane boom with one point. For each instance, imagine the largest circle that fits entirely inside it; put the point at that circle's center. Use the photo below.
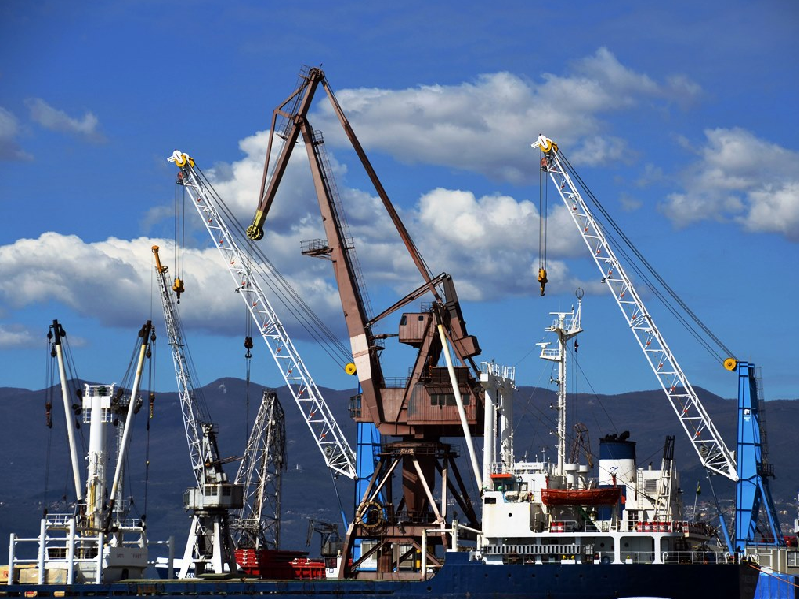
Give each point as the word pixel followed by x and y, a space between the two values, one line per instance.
pixel 696 422
pixel 209 541
pixel 195 411
pixel 327 435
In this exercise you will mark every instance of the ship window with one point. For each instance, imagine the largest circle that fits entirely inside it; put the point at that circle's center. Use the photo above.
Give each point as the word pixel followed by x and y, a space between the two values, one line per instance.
pixel 421 317
pixel 490 500
pixel 793 559
pixel 404 320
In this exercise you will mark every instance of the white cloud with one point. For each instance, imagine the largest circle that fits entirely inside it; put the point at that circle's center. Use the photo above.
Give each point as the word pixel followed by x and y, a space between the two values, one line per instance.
pixel 490 244
pixel 605 149
pixel 739 177
pixel 9 129
pixel 111 281
pixel 774 209
pixel 629 203
pixel 651 174
pixel 57 120
pixel 604 68
pixel 487 125
pixel 16 336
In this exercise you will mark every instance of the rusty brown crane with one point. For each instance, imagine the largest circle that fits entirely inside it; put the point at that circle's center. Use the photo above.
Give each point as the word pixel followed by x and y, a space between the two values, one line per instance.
pixel 434 402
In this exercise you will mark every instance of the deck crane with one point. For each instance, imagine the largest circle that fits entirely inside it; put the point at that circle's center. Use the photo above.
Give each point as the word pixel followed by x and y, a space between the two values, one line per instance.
pixel 101 541
pixel 435 401
pixel 250 279
pixel 257 525
pixel 209 546
pixel 751 472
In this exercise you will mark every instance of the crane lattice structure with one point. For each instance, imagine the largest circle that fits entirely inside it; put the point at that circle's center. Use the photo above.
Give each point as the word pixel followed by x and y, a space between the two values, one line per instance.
pixel 696 422
pixel 257 524
pixel 210 544
pixel 250 280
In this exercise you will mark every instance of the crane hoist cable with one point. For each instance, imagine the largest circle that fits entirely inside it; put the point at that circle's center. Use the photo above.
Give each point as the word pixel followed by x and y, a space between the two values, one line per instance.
pixel 150 415
pixel 248 363
pixel 542 229
pixel 180 236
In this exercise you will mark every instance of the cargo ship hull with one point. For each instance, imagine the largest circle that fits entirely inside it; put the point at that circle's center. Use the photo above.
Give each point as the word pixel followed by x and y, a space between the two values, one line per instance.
pixel 458 578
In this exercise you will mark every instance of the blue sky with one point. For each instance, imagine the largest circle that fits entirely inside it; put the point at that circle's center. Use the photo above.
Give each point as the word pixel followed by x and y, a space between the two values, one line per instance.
pixel 681 118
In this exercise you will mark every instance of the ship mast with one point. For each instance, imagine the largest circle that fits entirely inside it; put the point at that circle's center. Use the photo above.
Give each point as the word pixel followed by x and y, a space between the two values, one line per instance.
pixel 566 326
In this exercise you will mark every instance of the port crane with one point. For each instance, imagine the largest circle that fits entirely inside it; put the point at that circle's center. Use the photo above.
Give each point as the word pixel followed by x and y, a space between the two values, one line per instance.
pixel 250 279
pixel 751 472
pixel 210 545
pixel 257 524
pixel 435 401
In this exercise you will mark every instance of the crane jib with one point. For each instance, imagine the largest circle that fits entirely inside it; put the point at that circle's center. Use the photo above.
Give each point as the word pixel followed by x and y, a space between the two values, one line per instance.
pixel 249 284
pixel 702 433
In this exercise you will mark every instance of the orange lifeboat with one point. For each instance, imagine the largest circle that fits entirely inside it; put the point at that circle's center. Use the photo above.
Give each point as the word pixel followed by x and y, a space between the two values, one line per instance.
pixel 606 496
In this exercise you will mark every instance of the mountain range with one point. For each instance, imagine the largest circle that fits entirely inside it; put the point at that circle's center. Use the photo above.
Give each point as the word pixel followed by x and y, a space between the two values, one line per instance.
pixel 37 474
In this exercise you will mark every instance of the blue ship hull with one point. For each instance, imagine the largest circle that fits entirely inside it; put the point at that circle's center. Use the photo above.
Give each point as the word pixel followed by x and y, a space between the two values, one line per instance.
pixel 459 578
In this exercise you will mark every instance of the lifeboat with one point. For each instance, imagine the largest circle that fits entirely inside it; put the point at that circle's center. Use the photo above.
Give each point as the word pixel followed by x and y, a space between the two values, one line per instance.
pixel 606 496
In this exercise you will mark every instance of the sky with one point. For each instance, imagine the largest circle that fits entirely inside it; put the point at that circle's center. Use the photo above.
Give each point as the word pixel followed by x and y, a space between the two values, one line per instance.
pixel 681 118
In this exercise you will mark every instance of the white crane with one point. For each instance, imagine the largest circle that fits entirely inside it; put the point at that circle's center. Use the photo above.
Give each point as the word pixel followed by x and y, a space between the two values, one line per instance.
pixel 704 436
pixel 249 281
pixel 209 545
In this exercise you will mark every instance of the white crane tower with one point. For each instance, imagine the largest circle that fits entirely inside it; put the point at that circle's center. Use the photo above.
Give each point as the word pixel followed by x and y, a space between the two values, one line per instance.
pixel 257 524
pixel 210 545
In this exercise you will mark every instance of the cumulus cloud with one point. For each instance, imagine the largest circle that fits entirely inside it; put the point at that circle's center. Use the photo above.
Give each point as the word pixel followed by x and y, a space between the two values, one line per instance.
pixel 16 336
pixel 487 125
pixel 739 177
pixel 57 120
pixel 9 129
pixel 111 281
pixel 490 243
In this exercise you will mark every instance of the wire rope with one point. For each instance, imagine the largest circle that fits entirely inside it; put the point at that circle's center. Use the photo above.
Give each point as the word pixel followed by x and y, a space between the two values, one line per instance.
pixel 281 288
pixel 649 268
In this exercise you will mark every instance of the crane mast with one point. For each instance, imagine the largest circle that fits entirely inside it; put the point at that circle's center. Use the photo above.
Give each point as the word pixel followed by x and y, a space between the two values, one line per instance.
pixel 257 524
pixel 696 422
pixel 58 333
pixel 327 435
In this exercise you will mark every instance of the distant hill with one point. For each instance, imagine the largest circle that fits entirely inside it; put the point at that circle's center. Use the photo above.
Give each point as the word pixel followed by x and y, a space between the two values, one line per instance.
pixel 38 475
